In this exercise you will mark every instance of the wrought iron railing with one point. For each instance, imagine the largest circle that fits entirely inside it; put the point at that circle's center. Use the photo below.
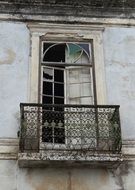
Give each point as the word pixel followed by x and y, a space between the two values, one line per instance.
pixel 70 127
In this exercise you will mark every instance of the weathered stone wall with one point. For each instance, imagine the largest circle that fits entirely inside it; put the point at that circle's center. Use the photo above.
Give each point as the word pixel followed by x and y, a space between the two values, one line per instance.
pixel 97 8
pixel 92 3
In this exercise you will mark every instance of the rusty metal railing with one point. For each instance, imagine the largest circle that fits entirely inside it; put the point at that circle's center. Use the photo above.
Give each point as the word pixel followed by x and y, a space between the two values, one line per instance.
pixel 70 127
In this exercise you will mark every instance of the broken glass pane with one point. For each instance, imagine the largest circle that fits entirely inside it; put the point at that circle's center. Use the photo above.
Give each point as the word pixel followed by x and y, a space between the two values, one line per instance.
pixel 47 74
pixel 54 52
pixel 66 52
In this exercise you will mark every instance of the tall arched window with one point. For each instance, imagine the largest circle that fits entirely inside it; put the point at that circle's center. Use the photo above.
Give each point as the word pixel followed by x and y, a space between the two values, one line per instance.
pixel 66 73
pixel 66 78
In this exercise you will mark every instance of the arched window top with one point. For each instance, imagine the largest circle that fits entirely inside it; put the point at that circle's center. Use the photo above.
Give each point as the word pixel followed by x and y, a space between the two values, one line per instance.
pixel 66 52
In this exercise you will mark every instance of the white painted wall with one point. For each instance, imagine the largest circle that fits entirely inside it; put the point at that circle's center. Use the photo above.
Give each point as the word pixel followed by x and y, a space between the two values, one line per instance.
pixel 14 60
pixel 14 178
pixel 119 55
pixel 119 49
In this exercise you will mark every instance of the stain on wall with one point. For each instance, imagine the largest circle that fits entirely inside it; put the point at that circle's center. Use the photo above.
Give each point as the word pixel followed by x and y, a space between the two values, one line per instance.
pixel 8 175
pixel 50 179
pixel 124 176
pixel 8 57
pixel 67 179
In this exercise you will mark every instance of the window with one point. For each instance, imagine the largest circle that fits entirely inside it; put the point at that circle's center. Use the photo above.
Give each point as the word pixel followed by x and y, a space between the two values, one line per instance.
pixel 66 78
pixel 66 71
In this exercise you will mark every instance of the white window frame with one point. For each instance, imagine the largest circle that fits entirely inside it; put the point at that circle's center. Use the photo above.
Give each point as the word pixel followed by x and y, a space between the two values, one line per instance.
pixel 61 32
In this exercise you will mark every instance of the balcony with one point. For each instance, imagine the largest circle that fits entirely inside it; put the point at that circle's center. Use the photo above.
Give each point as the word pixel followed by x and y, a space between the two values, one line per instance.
pixel 69 134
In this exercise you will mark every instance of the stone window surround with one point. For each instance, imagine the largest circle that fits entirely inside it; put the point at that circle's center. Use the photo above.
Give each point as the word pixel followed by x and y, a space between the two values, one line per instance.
pixel 59 32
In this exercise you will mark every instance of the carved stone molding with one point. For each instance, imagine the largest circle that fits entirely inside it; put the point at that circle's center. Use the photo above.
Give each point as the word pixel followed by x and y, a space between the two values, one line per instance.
pixel 128 149
pixel 8 148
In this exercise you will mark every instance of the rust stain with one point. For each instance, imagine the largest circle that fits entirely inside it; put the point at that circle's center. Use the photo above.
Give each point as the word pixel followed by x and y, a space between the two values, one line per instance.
pixel 9 58
pixel 48 181
pixel 66 180
pixel 80 185
pixel 90 180
pixel 104 176
pixel 69 181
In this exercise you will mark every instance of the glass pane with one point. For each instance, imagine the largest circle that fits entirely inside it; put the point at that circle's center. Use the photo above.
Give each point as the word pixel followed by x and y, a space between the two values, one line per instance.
pixel 85 75
pixel 86 48
pixel 85 89
pixel 79 90
pixel 74 90
pixel 47 74
pixel 58 100
pixel 74 48
pixel 87 100
pixel 47 100
pixel 77 53
pixel 58 75
pixel 73 76
pixel 83 59
pixel 47 88
pixel 79 75
pixel 74 101
pixel 58 89
pixel 54 52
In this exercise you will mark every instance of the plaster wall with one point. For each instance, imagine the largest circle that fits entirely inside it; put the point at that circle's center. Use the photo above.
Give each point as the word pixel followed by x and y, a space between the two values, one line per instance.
pixel 14 178
pixel 119 55
pixel 14 60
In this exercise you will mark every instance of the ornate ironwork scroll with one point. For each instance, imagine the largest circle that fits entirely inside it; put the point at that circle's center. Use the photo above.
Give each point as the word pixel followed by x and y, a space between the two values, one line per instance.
pixel 70 128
